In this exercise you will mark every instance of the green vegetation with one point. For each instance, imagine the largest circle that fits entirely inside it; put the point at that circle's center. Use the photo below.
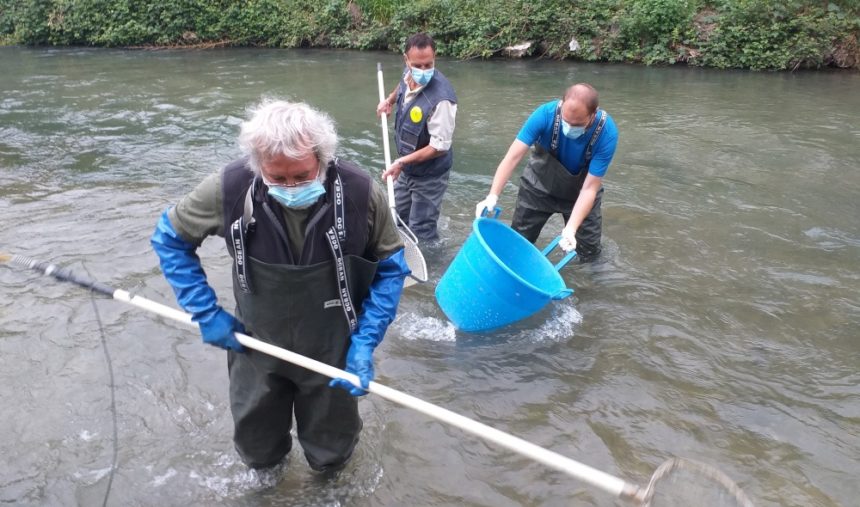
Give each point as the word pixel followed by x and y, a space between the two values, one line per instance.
pixel 752 34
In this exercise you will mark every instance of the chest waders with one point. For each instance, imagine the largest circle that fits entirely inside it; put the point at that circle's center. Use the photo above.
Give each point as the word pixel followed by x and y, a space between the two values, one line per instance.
pixel 547 187
pixel 308 309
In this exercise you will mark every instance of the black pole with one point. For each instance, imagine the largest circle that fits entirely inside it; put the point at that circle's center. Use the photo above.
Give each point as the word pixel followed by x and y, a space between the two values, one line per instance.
pixel 63 274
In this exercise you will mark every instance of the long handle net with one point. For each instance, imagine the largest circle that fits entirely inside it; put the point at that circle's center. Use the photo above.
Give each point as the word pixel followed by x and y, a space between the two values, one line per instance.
pixel 680 482
pixel 677 482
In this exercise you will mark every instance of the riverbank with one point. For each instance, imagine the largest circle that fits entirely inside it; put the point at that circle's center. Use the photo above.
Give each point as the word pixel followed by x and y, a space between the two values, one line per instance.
pixel 758 35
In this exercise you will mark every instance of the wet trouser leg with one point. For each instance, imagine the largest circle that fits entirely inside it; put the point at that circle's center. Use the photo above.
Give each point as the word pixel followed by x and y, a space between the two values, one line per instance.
pixel 262 407
pixel 529 223
pixel 419 202
pixel 328 426
pixel 589 232
pixel 263 400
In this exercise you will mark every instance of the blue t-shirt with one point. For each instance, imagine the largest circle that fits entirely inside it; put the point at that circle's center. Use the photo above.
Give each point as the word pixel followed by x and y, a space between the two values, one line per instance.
pixel 571 152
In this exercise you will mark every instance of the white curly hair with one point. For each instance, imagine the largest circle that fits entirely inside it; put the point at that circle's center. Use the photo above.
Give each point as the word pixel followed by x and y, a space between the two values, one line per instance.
pixel 293 129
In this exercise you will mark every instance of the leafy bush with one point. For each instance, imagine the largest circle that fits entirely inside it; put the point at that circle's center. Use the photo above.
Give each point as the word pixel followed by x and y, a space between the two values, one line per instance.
pixel 651 30
pixel 773 34
pixel 754 34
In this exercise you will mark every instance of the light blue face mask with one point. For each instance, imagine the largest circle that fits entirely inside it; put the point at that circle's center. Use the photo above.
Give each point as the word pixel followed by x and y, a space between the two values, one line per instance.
pixel 570 131
pixel 298 197
pixel 422 77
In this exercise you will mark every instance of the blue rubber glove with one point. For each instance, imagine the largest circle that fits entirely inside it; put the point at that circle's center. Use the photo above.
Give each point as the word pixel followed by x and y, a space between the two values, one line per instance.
pixel 218 329
pixel 379 309
pixel 181 267
pixel 359 361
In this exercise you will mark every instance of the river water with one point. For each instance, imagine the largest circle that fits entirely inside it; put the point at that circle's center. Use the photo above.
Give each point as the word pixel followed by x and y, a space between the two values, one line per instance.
pixel 720 324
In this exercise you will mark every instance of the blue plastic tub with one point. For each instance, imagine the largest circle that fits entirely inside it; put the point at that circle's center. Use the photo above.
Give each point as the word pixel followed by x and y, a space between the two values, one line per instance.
pixel 498 278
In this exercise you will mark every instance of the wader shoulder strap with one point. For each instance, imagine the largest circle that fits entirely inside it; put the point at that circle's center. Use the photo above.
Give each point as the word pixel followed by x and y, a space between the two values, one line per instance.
pixel 335 235
pixel 556 127
pixel 237 236
pixel 342 281
pixel 595 137
pixel 339 207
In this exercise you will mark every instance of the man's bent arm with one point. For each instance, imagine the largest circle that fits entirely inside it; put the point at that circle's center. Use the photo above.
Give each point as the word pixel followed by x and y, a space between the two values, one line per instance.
pixel 506 168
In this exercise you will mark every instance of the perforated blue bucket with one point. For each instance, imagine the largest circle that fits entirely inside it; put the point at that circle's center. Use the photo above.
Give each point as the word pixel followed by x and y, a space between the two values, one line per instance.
pixel 498 278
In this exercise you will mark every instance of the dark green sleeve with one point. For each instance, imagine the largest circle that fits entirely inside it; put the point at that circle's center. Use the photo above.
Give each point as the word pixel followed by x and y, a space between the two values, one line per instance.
pixel 199 214
pixel 383 239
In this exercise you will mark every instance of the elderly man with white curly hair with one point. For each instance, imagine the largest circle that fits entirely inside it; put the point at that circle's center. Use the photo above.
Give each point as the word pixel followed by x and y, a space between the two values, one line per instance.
pixel 318 268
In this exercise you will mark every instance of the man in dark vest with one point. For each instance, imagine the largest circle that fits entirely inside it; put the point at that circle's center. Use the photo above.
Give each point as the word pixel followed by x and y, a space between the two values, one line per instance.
pixel 423 133
pixel 318 268
pixel 573 143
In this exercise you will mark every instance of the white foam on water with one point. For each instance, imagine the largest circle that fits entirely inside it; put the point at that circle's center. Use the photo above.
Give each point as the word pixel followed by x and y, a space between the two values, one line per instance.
pixel 413 327
pixel 165 107
pixel 559 326
pixel 218 485
pixel 161 480
pixel 236 478
pixel 86 436
pixel 92 476
pixel 372 482
pixel 362 141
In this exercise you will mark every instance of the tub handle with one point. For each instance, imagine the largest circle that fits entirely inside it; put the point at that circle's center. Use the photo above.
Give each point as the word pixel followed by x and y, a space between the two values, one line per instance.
pixel 563 293
pixel 496 212
pixel 563 262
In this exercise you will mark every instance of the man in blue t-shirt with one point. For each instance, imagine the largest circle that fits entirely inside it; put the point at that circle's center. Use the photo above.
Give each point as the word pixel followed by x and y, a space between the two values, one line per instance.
pixel 572 143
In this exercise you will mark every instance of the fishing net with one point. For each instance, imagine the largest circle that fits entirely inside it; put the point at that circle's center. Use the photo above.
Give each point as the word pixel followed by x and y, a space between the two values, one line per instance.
pixel 686 483
pixel 414 257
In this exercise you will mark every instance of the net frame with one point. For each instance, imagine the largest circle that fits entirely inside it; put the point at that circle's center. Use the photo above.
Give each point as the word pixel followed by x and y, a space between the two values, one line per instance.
pixel 645 498
pixel 414 257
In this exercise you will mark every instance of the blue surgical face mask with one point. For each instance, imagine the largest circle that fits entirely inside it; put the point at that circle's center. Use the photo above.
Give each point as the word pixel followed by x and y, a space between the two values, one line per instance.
pixel 570 131
pixel 299 197
pixel 422 77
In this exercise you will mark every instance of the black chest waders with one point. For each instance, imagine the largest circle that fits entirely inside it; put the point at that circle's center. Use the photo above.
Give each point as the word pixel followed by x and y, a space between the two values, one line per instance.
pixel 308 309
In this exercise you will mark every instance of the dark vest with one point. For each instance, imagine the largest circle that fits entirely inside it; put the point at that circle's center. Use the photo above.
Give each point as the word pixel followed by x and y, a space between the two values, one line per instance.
pixel 267 242
pixel 296 301
pixel 411 135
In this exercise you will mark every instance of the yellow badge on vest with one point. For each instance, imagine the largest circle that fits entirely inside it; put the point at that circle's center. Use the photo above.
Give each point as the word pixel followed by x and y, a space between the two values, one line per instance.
pixel 415 114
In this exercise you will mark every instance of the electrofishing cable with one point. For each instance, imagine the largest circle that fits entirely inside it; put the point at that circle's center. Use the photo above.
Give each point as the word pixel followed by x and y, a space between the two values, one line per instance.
pixel 112 385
